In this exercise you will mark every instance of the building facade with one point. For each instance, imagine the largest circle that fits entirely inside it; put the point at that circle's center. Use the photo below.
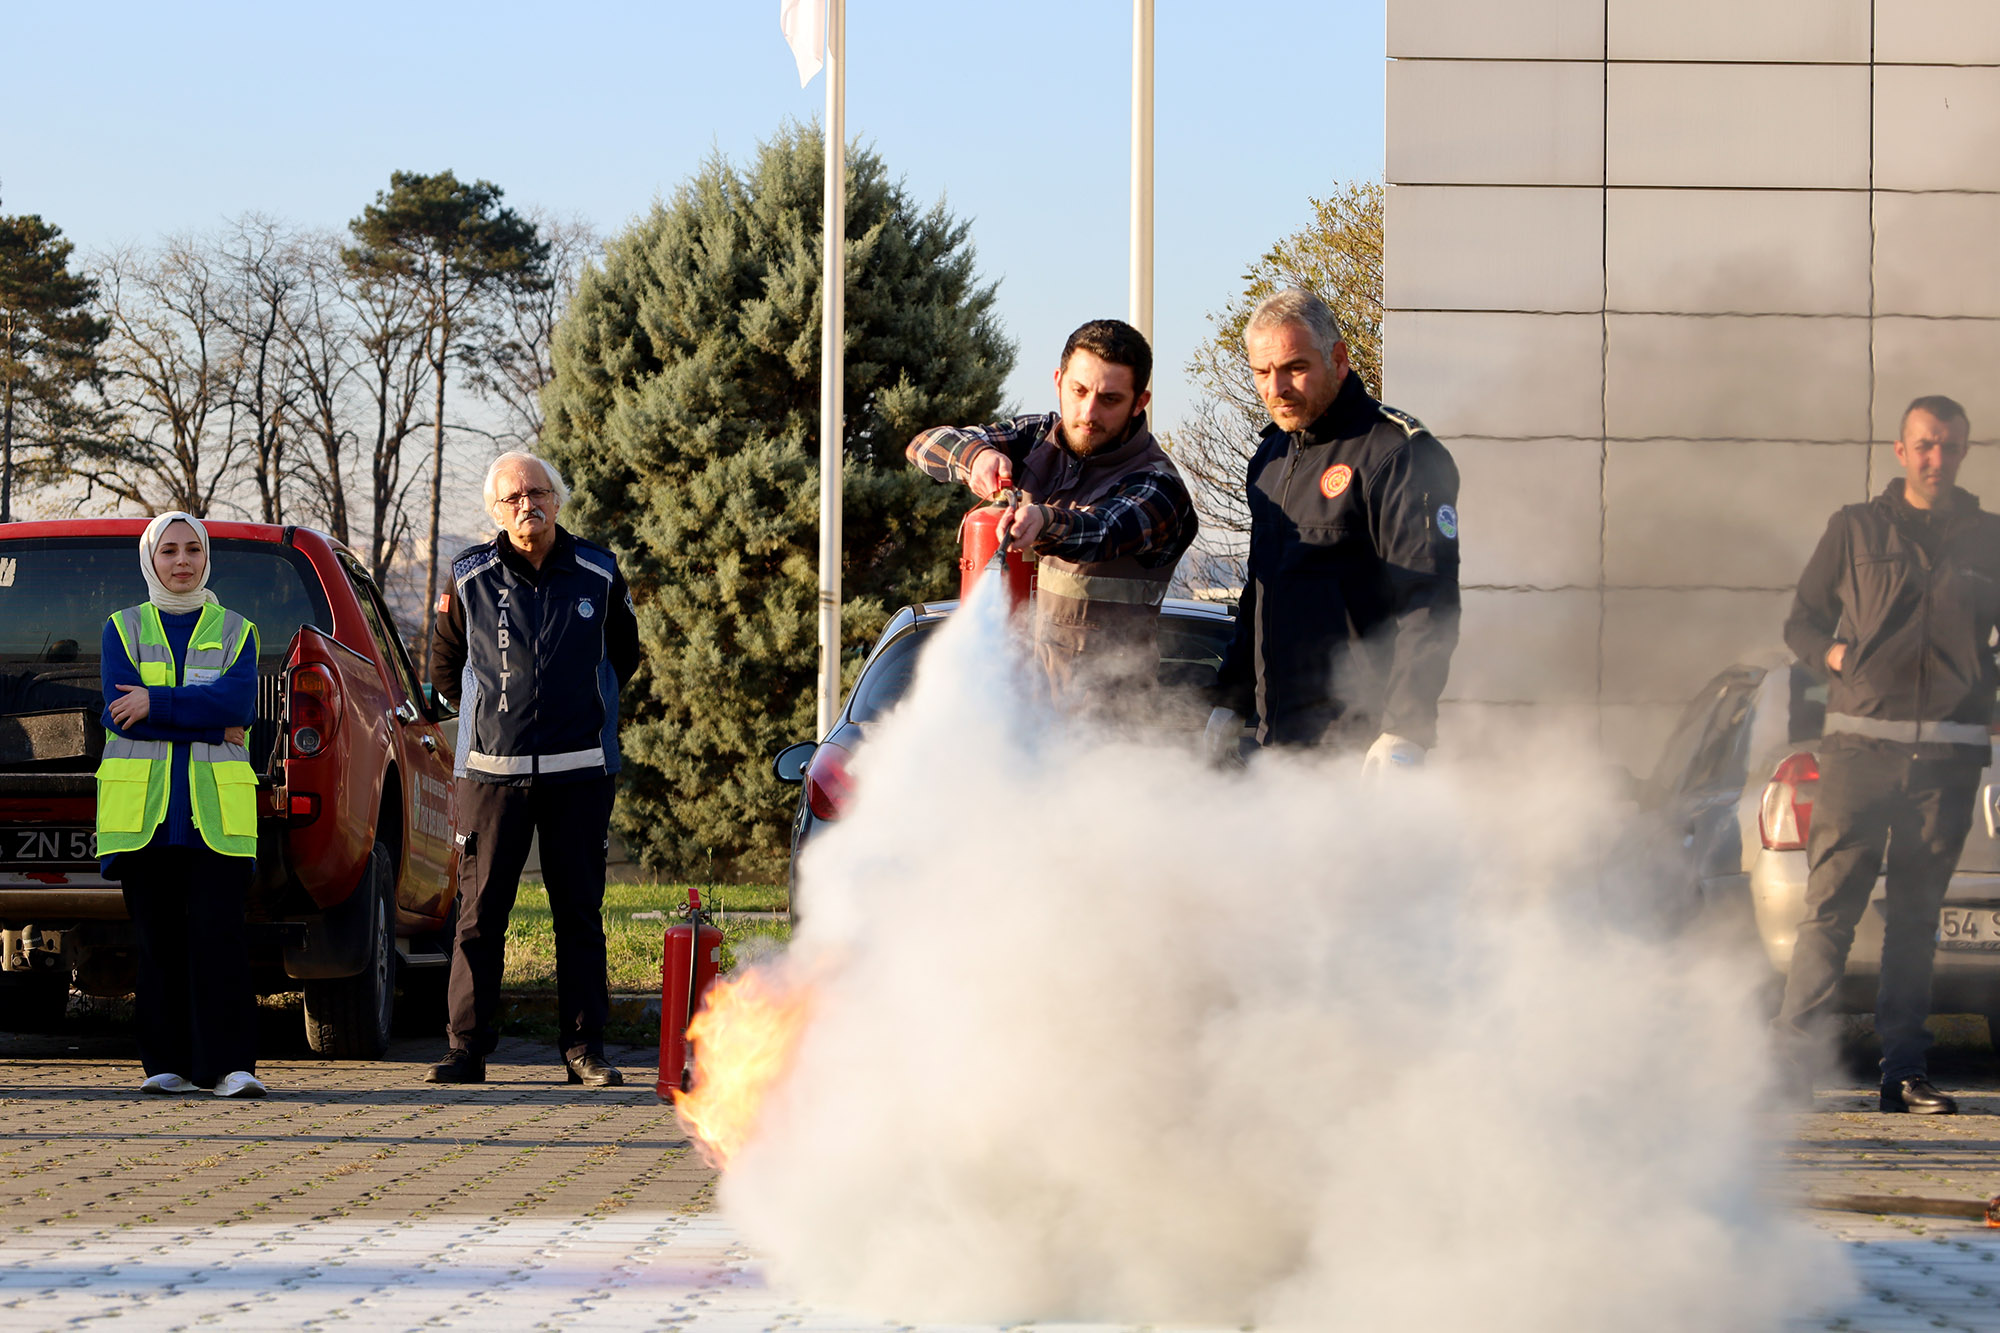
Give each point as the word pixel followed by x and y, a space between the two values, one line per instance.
pixel 1663 276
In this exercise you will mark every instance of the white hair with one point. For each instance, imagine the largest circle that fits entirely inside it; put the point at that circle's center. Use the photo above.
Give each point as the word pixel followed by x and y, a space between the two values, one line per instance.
pixel 556 483
pixel 1296 305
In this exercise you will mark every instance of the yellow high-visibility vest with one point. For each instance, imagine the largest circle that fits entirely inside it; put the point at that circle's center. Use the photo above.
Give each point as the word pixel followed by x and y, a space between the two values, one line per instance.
pixel 134 776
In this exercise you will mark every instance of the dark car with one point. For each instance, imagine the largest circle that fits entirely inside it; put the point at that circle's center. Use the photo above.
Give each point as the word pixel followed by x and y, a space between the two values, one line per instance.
pixel 1192 639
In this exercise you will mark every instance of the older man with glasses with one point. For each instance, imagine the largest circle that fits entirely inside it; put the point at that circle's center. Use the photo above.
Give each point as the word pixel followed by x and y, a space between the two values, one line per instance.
pixel 533 641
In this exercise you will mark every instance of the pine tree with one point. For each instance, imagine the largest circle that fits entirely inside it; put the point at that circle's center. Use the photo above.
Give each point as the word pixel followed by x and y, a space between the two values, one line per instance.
pixel 451 246
pixel 48 349
pixel 685 413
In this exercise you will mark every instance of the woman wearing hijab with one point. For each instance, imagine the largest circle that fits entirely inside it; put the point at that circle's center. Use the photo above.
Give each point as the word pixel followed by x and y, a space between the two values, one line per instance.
pixel 177 813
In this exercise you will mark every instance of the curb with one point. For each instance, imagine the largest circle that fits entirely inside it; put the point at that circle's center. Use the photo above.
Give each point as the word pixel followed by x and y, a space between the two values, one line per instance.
pixel 629 1008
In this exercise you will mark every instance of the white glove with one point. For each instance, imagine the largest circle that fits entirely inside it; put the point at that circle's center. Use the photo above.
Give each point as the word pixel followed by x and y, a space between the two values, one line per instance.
pixel 1222 741
pixel 1391 754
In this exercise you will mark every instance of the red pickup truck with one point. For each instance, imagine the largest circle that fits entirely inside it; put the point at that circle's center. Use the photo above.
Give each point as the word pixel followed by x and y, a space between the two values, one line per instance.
pixel 357 874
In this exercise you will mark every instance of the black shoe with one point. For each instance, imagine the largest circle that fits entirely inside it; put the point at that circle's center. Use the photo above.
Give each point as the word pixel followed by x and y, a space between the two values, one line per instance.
pixel 590 1068
pixel 458 1066
pixel 1917 1096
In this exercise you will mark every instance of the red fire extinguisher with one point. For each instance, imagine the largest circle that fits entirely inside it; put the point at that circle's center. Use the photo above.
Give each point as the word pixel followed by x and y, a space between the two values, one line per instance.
pixel 693 956
pixel 979 542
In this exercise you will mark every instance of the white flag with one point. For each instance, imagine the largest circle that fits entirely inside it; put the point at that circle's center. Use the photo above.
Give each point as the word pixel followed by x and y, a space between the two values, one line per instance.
pixel 804 25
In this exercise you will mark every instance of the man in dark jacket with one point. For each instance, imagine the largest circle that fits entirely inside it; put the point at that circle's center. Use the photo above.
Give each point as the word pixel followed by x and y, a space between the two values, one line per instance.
pixel 1897 608
pixel 1106 512
pixel 533 642
pixel 1350 605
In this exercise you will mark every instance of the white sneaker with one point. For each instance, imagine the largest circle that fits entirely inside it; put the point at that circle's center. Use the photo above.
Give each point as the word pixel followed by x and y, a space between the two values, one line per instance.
pixel 166 1084
pixel 240 1084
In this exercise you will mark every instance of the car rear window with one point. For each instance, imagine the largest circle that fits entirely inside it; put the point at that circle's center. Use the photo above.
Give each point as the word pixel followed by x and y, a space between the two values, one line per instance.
pixel 55 593
pixel 887 679
pixel 1191 650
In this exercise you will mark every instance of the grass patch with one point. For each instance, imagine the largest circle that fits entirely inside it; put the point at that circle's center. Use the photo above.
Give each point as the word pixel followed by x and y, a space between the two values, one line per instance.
pixel 633 947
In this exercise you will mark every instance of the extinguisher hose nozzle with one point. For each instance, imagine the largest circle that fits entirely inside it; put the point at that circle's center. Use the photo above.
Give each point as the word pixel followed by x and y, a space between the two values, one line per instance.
pixel 1006 498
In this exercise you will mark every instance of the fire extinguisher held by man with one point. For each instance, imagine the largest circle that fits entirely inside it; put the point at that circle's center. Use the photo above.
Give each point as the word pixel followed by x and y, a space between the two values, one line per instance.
pixel 1350 605
pixel 1102 508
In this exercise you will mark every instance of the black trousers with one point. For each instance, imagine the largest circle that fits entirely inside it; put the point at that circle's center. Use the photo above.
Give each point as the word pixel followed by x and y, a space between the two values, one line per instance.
pixel 574 820
pixel 1876 800
pixel 196 1012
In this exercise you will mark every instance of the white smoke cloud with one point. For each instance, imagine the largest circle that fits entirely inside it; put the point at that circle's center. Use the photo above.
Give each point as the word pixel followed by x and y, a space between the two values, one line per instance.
pixel 1101 1033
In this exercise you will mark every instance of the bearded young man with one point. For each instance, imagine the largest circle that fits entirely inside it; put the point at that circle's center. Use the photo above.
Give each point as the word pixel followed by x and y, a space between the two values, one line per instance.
pixel 1104 509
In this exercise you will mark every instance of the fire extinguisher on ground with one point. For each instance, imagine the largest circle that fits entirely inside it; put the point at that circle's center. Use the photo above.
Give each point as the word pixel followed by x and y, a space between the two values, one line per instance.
pixel 692 958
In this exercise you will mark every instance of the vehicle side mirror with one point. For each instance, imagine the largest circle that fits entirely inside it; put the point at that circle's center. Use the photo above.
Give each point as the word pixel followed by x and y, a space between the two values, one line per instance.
pixel 790 763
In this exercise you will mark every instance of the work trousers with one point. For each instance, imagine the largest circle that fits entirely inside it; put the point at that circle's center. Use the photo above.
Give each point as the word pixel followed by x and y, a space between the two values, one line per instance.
pixel 1874 796
pixel 196 1011
pixel 497 821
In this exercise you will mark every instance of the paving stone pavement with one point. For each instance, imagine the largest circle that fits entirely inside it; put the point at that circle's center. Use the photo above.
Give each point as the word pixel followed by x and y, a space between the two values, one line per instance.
pixel 360 1198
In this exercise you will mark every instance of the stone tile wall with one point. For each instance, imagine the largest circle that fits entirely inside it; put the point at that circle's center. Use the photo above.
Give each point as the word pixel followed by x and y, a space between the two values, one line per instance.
pixel 1664 277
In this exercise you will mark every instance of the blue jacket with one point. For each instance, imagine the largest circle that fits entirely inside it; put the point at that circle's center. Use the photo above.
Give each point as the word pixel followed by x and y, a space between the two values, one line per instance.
pixel 535 658
pixel 1350 605
pixel 182 714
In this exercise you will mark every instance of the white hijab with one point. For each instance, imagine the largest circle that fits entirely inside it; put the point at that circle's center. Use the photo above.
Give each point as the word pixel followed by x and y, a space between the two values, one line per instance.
pixel 149 542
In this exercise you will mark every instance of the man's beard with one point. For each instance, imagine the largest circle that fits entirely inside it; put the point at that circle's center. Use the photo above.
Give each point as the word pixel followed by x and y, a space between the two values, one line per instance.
pixel 1103 442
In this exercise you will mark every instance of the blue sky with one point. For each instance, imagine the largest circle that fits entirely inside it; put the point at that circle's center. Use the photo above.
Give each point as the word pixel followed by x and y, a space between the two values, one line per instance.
pixel 146 119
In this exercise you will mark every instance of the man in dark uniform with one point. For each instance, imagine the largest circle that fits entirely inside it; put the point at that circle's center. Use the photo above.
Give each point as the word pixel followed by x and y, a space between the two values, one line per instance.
pixel 533 642
pixel 1106 512
pixel 1350 604
pixel 1897 608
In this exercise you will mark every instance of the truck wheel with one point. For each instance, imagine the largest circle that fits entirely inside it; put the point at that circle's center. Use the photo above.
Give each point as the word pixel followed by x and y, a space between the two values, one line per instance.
pixel 348 1018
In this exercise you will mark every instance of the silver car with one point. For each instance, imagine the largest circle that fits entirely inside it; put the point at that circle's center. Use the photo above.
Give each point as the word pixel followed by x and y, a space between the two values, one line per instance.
pixel 1734 789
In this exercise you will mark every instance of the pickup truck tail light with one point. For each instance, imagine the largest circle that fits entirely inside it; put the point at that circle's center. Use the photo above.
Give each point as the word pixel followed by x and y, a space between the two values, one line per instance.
pixel 1785 822
pixel 312 709
pixel 828 788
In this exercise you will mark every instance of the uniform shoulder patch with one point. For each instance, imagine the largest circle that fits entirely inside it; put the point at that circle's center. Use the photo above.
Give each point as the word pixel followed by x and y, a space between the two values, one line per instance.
pixel 472 560
pixel 1408 424
pixel 1447 521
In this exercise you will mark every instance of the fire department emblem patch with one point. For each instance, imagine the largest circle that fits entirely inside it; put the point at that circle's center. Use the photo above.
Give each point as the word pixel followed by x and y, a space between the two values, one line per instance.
pixel 585 609
pixel 1448 522
pixel 1333 481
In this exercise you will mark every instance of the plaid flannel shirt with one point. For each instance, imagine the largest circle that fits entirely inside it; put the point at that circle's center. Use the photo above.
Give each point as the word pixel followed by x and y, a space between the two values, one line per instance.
pixel 1149 516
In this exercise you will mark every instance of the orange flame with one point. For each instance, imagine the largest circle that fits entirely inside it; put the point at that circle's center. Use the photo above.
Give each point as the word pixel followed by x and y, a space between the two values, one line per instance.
pixel 743 1039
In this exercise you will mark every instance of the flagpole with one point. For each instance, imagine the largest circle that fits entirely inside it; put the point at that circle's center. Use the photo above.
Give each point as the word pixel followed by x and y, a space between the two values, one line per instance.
pixel 1142 167
pixel 832 362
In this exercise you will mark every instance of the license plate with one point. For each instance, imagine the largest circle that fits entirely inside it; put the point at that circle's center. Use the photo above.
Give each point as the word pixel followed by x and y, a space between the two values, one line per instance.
pixel 43 848
pixel 1975 929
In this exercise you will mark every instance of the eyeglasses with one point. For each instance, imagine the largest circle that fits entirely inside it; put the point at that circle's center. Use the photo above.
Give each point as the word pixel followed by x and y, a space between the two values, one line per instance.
pixel 524 498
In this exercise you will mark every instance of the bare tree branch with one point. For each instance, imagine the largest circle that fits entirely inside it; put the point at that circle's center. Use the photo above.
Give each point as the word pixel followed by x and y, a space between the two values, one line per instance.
pixel 1339 256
